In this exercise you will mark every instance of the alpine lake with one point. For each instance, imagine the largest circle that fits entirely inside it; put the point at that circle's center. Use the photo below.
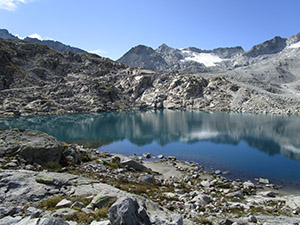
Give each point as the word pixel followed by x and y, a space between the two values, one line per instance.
pixel 249 146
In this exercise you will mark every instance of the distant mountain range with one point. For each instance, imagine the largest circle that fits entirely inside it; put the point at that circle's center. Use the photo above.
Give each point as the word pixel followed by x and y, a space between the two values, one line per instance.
pixel 273 60
pixel 52 44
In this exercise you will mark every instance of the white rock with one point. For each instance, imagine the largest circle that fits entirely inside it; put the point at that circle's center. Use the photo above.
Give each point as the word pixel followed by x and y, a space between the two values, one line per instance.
pixel 64 203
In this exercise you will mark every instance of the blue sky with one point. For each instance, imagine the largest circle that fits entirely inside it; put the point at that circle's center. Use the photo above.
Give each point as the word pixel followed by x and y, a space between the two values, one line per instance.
pixel 112 27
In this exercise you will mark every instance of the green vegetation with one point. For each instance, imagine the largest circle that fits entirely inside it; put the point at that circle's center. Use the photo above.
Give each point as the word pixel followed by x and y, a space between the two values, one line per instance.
pixel 50 203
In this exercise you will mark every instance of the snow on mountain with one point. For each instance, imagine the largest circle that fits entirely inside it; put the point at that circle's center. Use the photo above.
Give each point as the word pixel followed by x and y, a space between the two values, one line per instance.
pixel 208 59
pixel 295 45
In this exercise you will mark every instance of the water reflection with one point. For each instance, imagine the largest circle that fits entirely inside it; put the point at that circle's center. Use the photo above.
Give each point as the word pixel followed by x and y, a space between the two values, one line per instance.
pixel 270 134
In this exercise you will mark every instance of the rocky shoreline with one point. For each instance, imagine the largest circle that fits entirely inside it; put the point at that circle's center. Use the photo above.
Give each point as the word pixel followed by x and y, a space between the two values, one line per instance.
pixel 44 181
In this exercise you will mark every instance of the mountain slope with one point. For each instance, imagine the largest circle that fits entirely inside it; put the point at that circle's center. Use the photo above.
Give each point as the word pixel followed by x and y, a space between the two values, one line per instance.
pixel 35 79
pixel 165 58
pixel 52 44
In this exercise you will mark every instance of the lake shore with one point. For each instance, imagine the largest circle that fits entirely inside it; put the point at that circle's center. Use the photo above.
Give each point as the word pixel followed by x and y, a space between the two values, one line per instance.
pixel 85 186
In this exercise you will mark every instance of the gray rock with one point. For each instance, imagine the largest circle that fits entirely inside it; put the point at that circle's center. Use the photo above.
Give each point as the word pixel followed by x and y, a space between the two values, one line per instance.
pixel 77 205
pixel 270 194
pixel 252 219
pixel 248 185
pixel 34 146
pixel 54 221
pixel 100 200
pixel 107 222
pixel 115 159
pixel 64 203
pixel 11 164
pixel 206 183
pixel 147 178
pixel 160 156
pixel 236 194
pixel 264 181
pixel 33 212
pixel 226 222
pixel 132 164
pixel 147 155
pixel 63 212
pixel 201 199
pixel 172 158
pixel 127 211
pixel 8 220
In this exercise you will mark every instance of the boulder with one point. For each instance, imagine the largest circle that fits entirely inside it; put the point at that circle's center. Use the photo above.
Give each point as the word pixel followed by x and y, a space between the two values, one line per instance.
pixel 132 164
pixel 34 146
pixel 201 199
pixel 54 221
pixel 147 178
pixel 126 211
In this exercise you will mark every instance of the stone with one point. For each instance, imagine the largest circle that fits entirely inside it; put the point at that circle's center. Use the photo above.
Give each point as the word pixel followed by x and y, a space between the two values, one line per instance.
pixel 100 200
pixel 147 178
pixel 147 155
pixel 236 194
pixel 160 156
pixel 54 221
pixel 132 164
pixel 11 165
pixel 106 222
pixel 270 194
pixel 9 220
pixel 206 183
pixel 115 159
pixel 34 146
pixel 126 211
pixel 226 222
pixel 77 205
pixel 30 221
pixel 172 158
pixel 201 199
pixel 33 212
pixel 64 203
pixel 63 212
pixel 294 202
pixel 252 219
pixel 263 181
pixel 248 185
pixel 217 172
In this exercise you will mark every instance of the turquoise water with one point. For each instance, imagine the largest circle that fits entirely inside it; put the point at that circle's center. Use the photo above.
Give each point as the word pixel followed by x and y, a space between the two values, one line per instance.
pixel 250 146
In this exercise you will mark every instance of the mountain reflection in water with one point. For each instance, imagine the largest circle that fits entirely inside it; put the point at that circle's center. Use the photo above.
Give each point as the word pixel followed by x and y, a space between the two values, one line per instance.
pixel 274 135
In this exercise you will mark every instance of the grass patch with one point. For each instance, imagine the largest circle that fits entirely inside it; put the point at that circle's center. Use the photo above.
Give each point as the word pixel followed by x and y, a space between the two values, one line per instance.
pixel 50 203
pixel 81 217
pixel 52 166
pixel 202 220
pixel 111 165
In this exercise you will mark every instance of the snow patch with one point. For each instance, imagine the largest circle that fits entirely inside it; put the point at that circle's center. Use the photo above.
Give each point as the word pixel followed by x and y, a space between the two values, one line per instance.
pixel 295 45
pixel 207 59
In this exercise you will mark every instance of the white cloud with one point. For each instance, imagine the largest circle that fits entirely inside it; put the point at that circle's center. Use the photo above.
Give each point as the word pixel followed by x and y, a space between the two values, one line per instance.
pixel 12 5
pixel 35 35
pixel 99 52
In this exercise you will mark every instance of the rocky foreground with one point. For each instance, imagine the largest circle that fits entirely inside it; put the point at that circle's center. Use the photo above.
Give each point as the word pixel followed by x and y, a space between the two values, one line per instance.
pixel 44 181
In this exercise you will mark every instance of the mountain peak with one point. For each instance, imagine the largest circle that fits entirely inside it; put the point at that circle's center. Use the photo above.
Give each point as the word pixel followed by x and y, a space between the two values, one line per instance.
pixel 52 44
pixel 6 35
pixel 164 49
pixel 271 46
